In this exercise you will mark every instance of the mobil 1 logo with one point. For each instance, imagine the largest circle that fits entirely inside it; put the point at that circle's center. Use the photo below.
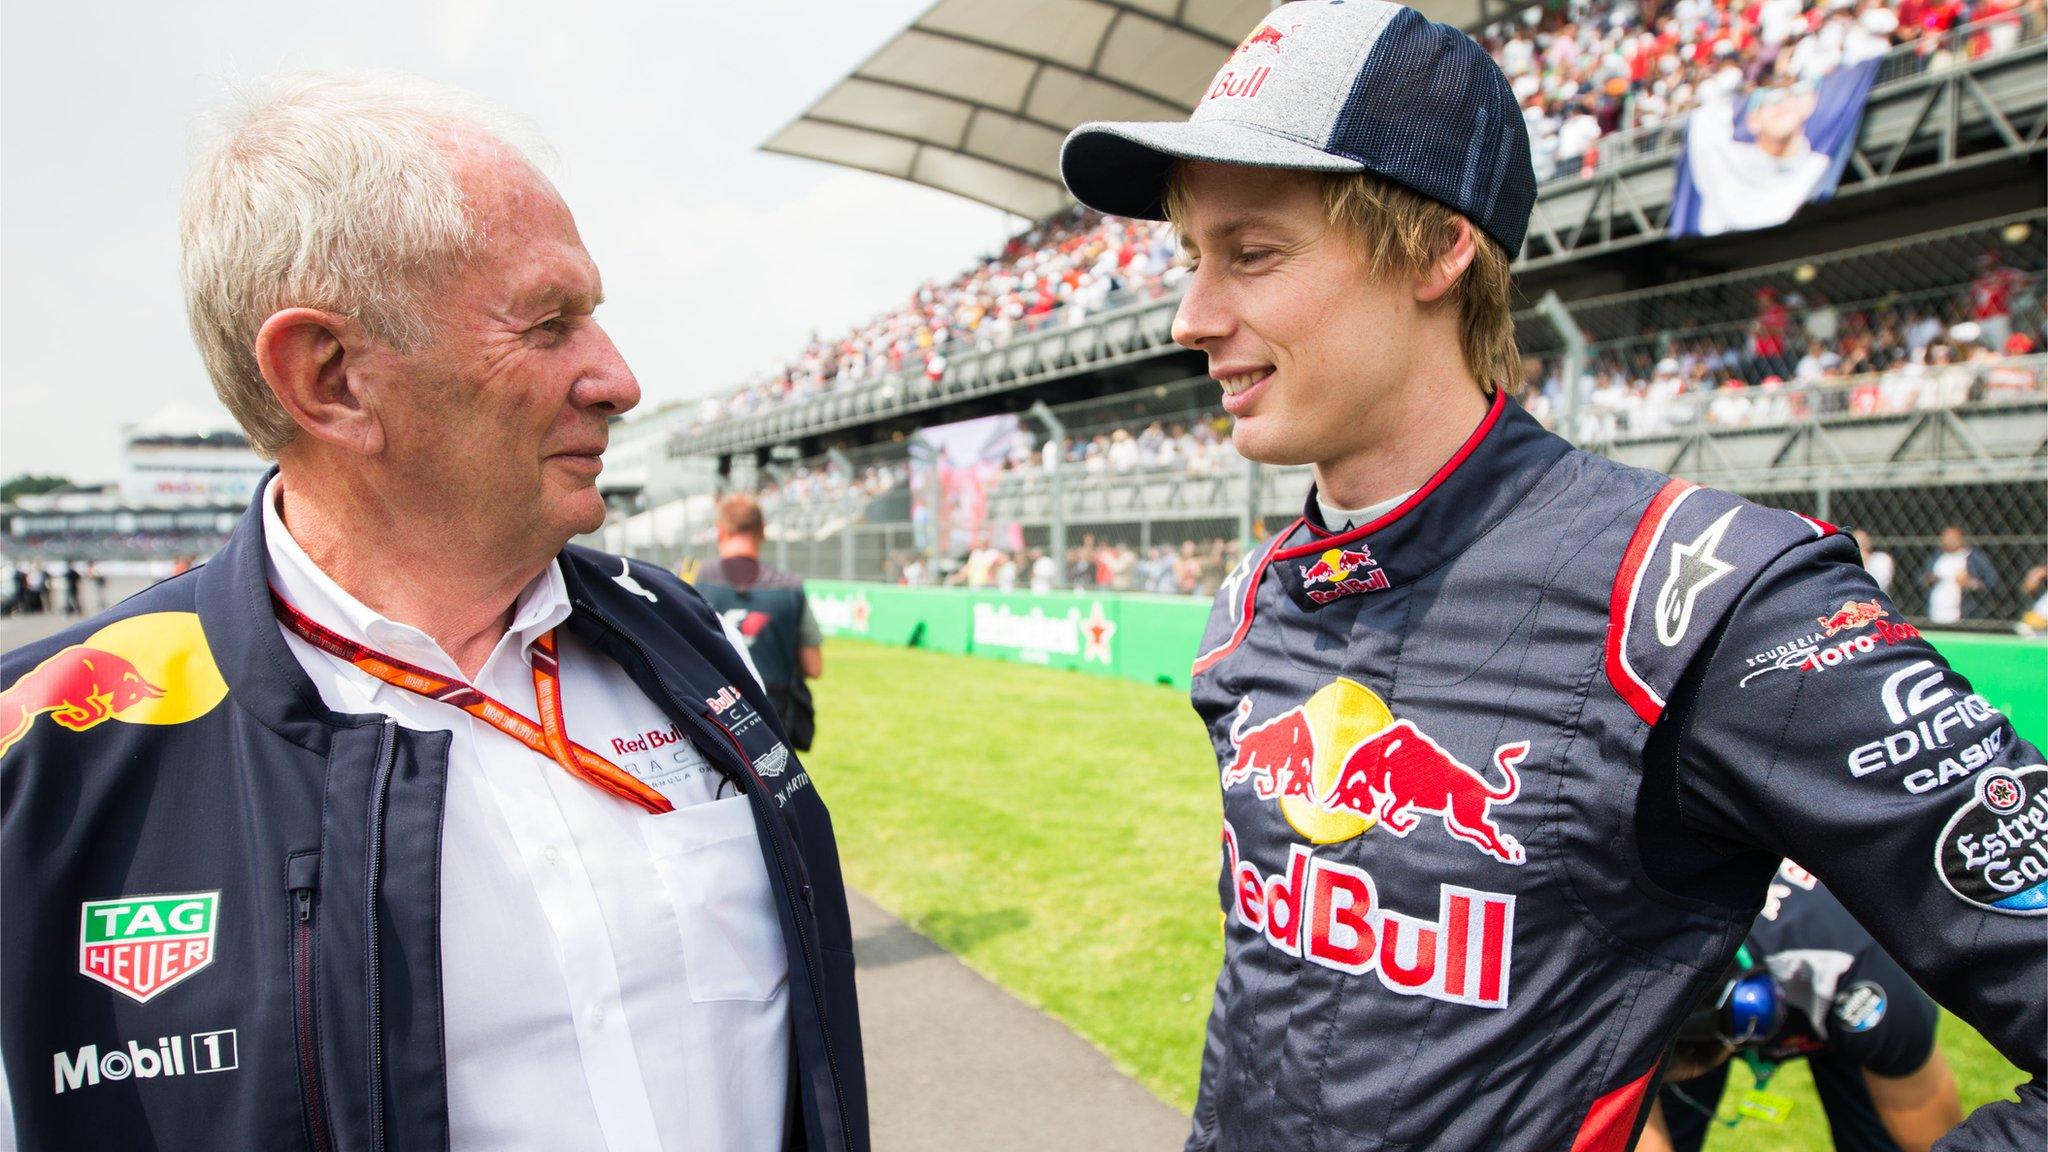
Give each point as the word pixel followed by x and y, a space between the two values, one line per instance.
pixel 193 1055
pixel 1994 851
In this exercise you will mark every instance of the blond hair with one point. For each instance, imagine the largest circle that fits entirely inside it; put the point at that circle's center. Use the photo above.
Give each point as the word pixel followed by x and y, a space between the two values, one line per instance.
pixel 1400 232
pixel 740 515
pixel 323 191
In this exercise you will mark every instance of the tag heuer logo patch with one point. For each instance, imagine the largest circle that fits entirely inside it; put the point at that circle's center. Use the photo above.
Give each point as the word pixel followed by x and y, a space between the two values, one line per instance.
pixel 141 945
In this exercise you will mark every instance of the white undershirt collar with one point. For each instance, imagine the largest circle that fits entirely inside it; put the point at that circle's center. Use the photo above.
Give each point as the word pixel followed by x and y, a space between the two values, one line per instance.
pixel 542 604
pixel 1340 520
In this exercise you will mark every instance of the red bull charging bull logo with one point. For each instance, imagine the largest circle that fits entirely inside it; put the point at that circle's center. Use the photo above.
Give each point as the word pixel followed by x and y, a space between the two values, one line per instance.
pixel 1341 764
pixel 1853 614
pixel 149 669
pixel 1341 572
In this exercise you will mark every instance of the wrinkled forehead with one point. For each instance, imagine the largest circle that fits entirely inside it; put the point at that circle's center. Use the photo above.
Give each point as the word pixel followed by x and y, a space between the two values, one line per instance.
pixel 525 236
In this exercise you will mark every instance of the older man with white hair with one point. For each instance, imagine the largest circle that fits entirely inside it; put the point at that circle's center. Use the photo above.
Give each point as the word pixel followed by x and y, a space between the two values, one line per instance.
pixel 417 827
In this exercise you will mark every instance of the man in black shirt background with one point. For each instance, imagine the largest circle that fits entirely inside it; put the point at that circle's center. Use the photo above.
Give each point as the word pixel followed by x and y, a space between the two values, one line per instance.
pixel 768 608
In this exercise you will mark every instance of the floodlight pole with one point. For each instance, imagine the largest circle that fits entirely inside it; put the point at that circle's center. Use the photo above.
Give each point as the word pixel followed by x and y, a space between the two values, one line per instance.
pixel 847 499
pixel 780 478
pixel 1248 515
pixel 1056 535
pixel 1574 369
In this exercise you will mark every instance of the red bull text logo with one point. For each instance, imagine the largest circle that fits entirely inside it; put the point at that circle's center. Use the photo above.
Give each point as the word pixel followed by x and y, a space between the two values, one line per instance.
pixel 1391 776
pixel 1330 914
pixel 1236 83
pixel 80 687
pixel 1341 572
pixel 1852 614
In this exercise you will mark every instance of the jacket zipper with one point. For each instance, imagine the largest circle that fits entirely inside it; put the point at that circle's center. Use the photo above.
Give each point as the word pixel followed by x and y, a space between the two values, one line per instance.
pixel 757 788
pixel 302 879
pixel 379 792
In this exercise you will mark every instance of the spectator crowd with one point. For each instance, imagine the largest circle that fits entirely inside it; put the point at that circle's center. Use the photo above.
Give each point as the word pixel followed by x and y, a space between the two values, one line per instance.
pixel 1589 69
pixel 1583 70
pixel 1064 270
pixel 1190 568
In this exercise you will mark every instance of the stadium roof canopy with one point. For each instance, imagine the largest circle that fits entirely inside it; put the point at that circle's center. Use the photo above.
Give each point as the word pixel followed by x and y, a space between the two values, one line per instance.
pixel 974 97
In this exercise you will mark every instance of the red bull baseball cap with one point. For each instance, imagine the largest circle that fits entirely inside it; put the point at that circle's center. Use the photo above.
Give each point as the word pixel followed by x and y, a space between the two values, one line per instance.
pixel 1334 86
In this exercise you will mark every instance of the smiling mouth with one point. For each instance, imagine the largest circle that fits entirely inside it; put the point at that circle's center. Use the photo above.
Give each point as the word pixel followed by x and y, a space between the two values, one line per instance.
pixel 1243 382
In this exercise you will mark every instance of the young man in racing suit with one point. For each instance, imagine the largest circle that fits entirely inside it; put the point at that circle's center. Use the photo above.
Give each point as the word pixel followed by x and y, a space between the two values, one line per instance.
pixel 1512 737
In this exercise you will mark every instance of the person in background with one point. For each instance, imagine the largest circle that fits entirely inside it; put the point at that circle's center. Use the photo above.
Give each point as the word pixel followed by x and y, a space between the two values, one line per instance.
pixel 767 607
pixel 1956 579
pixel 1876 561
pixel 1811 984
pixel 2034 621
pixel 73 577
pixel 1044 571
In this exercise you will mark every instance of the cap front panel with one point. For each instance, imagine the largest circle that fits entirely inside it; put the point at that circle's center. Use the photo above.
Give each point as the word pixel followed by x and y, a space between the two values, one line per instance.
pixel 1291 75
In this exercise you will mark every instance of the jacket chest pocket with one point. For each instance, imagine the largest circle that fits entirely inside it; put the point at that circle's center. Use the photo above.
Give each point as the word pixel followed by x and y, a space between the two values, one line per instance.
pixel 710 863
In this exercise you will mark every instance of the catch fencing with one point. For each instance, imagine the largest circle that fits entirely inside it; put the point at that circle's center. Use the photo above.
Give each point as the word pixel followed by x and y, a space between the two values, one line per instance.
pixel 1899 389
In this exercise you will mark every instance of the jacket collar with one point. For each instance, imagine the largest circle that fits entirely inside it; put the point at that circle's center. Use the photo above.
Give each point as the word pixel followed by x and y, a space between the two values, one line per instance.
pixel 1491 472
pixel 263 676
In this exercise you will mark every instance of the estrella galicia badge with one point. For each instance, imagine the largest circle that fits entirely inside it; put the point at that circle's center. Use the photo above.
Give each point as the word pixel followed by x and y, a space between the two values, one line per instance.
pixel 1994 851
pixel 141 945
pixel 1861 1007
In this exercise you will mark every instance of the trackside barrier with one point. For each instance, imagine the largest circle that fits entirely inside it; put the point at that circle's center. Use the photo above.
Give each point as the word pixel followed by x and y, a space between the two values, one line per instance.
pixel 1152 639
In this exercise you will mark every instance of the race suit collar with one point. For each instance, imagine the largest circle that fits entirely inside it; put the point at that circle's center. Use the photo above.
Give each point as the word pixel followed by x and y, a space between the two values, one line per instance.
pixel 1489 473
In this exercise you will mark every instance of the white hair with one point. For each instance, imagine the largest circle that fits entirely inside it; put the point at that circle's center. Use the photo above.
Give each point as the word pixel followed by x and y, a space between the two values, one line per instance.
pixel 324 191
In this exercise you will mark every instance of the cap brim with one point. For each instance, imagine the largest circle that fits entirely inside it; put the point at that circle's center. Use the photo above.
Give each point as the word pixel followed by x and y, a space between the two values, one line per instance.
pixel 1121 167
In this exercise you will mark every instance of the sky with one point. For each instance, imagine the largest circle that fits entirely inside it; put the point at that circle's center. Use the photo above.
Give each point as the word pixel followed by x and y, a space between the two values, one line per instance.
pixel 719 260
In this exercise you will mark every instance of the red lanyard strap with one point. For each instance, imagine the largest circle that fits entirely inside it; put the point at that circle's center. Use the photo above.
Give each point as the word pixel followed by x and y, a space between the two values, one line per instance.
pixel 548 738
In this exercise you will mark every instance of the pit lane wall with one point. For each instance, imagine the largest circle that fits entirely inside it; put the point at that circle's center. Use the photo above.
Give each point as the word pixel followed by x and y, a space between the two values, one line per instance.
pixel 1152 639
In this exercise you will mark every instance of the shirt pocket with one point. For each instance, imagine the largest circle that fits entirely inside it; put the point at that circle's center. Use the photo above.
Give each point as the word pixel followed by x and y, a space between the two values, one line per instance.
pixel 709 859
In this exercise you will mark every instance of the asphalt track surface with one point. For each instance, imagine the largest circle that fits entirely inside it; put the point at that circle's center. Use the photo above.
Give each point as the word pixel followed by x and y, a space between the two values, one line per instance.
pixel 955 1064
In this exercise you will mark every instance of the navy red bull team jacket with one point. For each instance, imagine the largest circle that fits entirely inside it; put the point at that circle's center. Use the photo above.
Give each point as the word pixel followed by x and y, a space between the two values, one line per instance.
pixel 1506 774
pixel 220 902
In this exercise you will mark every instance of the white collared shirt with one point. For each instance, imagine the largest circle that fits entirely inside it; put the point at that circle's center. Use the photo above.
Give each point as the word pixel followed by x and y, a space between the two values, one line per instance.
pixel 610 979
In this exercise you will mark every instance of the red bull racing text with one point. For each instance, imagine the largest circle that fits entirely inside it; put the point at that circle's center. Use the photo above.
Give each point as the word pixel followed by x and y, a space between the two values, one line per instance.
pixel 1330 915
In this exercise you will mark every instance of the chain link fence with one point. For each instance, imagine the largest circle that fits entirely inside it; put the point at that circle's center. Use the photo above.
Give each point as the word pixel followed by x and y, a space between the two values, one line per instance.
pixel 1899 389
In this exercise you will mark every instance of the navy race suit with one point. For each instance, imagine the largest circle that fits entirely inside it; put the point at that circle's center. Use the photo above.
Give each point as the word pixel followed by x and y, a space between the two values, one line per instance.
pixel 222 901
pixel 1506 773
pixel 1849 1008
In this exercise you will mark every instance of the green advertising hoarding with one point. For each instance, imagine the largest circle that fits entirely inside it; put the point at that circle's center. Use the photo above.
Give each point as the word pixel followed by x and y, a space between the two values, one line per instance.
pixel 1153 638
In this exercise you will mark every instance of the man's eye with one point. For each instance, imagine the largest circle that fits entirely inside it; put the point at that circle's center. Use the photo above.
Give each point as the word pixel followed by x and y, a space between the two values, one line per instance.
pixel 1254 255
pixel 553 329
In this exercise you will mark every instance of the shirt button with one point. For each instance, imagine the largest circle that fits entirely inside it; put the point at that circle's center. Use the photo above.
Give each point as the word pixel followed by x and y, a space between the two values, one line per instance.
pixel 597 1016
pixel 549 854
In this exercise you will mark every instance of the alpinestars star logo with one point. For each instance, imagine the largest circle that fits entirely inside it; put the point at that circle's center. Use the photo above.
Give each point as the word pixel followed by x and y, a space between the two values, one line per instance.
pixel 1694 568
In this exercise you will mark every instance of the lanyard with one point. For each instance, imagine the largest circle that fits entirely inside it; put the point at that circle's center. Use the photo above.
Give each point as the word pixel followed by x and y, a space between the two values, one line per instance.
pixel 549 738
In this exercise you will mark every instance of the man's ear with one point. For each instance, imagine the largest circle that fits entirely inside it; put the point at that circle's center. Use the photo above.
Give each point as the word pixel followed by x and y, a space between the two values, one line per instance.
pixel 1438 278
pixel 304 355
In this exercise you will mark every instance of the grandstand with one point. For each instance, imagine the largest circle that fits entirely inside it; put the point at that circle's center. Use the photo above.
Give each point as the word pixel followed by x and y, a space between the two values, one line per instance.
pixel 1877 362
